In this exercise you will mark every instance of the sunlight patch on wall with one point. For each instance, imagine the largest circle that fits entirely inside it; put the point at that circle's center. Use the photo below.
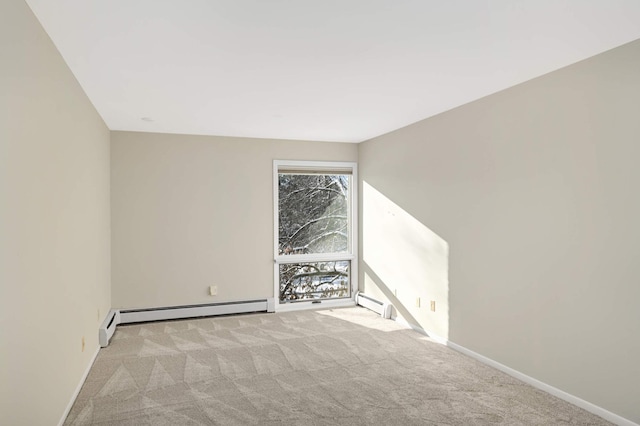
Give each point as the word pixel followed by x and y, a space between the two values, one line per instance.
pixel 405 262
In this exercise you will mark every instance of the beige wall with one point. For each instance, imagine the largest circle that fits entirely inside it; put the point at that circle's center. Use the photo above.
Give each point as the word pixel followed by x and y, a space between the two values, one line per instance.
pixel 193 211
pixel 54 224
pixel 534 192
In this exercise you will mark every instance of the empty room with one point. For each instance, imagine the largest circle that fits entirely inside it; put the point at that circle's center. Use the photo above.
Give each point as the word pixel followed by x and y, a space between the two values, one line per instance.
pixel 319 213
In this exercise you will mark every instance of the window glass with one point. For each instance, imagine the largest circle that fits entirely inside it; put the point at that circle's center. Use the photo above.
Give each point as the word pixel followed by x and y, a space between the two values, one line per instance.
pixel 314 280
pixel 313 213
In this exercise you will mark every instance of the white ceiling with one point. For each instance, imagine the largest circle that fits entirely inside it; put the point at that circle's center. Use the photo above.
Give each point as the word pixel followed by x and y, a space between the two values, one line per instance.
pixel 334 70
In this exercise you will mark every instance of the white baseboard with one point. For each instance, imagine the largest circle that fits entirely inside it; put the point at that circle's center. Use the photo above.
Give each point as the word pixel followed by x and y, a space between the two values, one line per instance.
pixel 78 388
pixel 572 399
pixel 420 330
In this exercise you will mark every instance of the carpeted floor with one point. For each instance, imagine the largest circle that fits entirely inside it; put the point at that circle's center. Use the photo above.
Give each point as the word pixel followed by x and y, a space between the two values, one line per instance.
pixel 326 367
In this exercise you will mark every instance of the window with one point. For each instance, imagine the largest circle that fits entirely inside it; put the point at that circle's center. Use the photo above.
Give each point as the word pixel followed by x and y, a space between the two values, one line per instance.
pixel 314 230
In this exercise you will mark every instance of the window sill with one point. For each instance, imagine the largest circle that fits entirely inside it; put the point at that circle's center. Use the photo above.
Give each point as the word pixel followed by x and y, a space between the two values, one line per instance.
pixel 325 304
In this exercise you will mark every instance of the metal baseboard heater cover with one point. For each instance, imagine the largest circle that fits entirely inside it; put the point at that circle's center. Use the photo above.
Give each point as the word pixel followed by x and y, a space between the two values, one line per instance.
pixel 130 316
pixel 382 308
pixel 108 327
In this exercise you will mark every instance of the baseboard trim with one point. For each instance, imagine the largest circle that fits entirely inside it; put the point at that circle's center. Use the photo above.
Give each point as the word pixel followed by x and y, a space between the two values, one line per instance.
pixel 78 388
pixel 420 330
pixel 572 399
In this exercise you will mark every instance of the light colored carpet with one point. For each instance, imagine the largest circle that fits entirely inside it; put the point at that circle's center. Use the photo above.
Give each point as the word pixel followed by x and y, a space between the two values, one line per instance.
pixel 325 367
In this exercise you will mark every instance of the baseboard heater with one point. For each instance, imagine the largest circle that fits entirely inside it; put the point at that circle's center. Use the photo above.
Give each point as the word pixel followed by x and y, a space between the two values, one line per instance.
pixel 130 316
pixel 108 327
pixel 384 309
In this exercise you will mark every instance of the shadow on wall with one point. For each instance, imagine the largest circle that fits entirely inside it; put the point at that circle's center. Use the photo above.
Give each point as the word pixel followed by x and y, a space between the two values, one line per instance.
pixel 405 263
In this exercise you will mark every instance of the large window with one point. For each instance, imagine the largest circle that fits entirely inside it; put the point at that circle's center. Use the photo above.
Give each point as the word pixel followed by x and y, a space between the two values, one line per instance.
pixel 315 243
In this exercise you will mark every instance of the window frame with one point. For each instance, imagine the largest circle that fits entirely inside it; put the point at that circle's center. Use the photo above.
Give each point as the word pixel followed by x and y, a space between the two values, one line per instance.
pixel 352 253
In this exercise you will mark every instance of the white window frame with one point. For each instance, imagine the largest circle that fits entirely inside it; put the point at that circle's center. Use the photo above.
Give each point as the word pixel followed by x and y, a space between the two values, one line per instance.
pixel 352 253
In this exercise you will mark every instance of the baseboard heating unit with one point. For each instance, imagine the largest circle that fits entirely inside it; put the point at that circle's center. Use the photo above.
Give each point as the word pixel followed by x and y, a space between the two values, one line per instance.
pixel 108 327
pixel 130 316
pixel 384 309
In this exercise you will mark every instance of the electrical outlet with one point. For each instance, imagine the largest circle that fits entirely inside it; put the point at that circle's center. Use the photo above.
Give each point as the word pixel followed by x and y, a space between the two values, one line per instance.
pixel 433 306
pixel 417 302
pixel 213 290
